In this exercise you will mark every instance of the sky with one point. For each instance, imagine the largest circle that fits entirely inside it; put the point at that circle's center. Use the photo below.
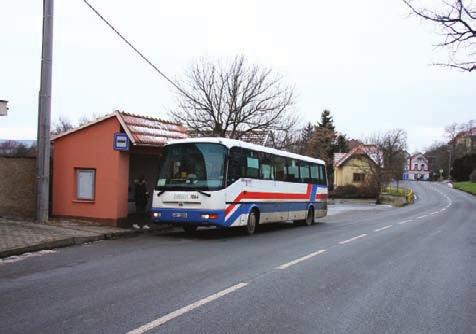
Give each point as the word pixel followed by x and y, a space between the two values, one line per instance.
pixel 366 61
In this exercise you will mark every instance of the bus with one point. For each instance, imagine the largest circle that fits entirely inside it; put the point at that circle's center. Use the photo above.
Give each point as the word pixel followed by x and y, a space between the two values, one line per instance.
pixel 224 182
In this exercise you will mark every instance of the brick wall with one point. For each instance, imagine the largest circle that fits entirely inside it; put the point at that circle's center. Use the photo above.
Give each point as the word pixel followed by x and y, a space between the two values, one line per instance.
pixel 17 187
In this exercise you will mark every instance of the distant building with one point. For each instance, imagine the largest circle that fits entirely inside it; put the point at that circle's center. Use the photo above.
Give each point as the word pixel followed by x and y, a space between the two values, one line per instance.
pixel 354 167
pixel 466 140
pixel 416 168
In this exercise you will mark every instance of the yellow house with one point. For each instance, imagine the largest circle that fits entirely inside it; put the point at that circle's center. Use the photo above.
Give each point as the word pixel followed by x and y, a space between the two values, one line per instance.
pixel 355 167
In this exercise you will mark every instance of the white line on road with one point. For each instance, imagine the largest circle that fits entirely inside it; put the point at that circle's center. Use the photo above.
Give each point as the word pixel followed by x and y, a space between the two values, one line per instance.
pixel 172 315
pixel 25 256
pixel 304 258
pixel 352 239
pixel 382 228
pixel 422 216
pixel 405 221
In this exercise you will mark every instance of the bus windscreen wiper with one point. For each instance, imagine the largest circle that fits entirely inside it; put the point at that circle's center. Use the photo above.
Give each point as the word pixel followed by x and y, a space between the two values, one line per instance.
pixel 204 193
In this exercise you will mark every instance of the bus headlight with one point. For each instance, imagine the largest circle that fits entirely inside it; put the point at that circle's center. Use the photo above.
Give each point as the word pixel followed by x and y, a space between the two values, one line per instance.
pixel 156 214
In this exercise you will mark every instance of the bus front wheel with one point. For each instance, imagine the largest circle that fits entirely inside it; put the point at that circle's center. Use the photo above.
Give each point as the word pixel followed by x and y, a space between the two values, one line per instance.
pixel 250 227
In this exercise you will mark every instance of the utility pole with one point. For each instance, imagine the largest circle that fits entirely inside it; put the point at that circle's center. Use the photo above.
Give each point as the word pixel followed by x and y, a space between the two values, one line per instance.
pixel 449 165
pixel 44 116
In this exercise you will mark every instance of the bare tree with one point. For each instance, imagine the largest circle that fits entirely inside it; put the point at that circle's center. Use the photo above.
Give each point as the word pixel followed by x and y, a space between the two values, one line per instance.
pixel 85 119
pixel 385 153
pixel 233 100
pixel 17 148
pixel 457 23
pixel 451 131
pixel 62 124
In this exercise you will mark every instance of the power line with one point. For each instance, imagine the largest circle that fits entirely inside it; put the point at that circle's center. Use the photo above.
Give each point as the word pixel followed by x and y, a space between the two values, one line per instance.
pixel 134 48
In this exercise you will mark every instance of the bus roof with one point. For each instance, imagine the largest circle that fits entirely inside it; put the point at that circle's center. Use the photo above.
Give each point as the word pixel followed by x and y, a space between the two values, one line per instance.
pixel 234 142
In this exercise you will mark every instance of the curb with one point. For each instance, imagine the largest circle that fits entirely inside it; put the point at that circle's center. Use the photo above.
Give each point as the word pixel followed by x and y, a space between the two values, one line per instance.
pixel 70 241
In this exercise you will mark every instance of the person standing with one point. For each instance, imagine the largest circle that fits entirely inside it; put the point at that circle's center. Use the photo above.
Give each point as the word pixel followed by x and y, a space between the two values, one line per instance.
pixel 141 196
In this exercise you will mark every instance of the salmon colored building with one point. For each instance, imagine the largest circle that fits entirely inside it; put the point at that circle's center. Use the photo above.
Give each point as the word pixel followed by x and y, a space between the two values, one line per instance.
pixel 95 165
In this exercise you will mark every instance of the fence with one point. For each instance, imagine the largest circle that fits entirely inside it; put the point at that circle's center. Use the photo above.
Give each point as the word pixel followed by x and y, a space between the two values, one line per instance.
pixel 17 187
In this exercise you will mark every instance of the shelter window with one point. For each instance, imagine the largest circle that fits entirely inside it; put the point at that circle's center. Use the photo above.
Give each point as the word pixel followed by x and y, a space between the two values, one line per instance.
pixel 85 184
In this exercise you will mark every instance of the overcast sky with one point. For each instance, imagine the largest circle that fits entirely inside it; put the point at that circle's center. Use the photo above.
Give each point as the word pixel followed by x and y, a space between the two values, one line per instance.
pixel 367 61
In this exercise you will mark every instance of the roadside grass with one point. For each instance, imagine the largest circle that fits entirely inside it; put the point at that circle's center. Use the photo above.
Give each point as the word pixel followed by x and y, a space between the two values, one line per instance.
pixel 401 192
pixel 407 193
pixel 468 186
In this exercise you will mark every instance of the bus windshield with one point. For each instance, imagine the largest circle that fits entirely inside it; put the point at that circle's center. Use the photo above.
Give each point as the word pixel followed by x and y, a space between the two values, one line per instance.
pixel 192 166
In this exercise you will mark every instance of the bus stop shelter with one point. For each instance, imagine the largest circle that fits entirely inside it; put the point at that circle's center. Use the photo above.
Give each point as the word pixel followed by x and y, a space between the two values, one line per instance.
pixel 94 166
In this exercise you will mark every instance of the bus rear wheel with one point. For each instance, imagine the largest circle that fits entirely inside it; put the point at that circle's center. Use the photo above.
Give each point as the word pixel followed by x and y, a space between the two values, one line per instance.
pixel 189 228
pixel 309 220
pixel 250 227
pixel 310 217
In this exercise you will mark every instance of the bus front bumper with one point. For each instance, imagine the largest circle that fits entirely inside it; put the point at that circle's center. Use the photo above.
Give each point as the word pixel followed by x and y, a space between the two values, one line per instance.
pixel 179 216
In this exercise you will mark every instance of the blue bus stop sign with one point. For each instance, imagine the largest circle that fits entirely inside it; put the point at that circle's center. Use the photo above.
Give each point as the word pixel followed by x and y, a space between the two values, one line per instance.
pixel 121 142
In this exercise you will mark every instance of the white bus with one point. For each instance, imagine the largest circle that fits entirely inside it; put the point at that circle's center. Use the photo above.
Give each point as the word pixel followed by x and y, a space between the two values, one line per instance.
pixel 224 182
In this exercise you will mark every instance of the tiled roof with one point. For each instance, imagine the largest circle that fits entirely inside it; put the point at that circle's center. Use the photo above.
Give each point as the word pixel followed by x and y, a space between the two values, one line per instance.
pixel 370 150
pixel 150 131
pixel 141 130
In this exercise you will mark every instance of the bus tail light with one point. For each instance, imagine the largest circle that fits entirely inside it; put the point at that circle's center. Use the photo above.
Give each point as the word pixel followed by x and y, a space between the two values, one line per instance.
pixel 209 216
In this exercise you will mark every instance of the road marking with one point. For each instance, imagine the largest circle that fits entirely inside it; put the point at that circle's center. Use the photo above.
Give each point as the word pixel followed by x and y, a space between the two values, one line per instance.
pixel 304 258
pixel 172 315
pixel 422 216
pixel 382 228
pixel 25 256
pixel 405 221
pixel 352 239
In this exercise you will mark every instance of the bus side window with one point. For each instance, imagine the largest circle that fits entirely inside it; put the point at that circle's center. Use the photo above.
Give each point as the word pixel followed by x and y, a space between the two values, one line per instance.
pixel 280 168
pixel 266 167
pixel 304 172
pixel 322 175
pixel 252 164
pixel 235 164
pixel 293 171
pixel 314 173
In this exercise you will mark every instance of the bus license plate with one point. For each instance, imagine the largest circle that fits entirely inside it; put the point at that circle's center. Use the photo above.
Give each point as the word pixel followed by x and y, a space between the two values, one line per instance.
pixel 179 215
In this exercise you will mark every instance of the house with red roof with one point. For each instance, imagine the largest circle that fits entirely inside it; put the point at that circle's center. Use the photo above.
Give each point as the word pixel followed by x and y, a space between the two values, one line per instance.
pixel 417 168
pixel 354 167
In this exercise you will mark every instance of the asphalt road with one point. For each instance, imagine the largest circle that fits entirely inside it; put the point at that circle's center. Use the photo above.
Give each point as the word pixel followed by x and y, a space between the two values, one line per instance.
pixel 384 270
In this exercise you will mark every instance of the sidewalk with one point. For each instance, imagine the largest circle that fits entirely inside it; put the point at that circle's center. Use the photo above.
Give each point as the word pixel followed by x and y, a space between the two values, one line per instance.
pixel 17 237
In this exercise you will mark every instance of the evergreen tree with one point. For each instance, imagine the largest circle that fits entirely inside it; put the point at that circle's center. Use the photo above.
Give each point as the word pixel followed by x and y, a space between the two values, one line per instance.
pixel 341 144
pixel 326 120
pixel 306 132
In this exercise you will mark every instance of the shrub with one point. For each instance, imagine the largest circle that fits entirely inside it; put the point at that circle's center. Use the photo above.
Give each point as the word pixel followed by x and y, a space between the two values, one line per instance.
pixel 472 176
pixel 463 166
pixel 351 191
